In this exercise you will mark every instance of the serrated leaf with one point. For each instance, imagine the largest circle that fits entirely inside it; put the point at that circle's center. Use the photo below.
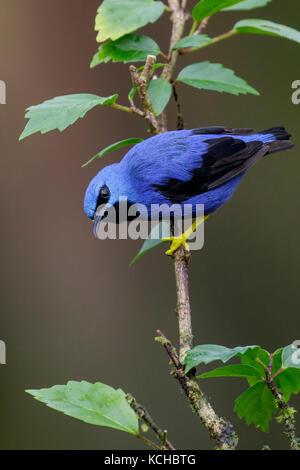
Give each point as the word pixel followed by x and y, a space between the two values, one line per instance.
pixel 288 382
pixel 115 18
pixel 158 232
pixel 291 356
pixel 160 93
pixel 256 405
pixel 207 8
pixel 236 370
pixel 208 76
pixel 248 5
pixel 251 358
pixel 129 48
pixel 115 146
pixel 61 112
pixel 255 26
pixel 207 353
pixel 277 361
pixel 196 41
pixel 96 404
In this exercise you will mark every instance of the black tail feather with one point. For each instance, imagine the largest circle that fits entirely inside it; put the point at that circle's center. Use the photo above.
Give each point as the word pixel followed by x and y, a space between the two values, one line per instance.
pixel 279 133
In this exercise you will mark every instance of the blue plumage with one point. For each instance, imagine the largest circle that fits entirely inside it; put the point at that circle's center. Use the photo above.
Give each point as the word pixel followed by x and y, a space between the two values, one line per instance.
pixel 200 166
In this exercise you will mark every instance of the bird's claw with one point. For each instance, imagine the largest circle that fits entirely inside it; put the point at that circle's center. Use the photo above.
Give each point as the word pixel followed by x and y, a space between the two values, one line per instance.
pixel 176 242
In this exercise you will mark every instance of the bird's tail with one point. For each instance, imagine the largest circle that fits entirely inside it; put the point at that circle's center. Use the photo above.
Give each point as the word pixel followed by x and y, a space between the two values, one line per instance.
pixel 281 139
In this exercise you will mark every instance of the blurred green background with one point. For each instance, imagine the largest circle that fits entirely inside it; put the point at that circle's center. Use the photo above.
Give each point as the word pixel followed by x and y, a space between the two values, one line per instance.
pixel 71 306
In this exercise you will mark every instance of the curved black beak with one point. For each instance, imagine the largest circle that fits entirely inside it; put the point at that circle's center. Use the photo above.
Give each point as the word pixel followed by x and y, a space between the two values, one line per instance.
pixel 100 214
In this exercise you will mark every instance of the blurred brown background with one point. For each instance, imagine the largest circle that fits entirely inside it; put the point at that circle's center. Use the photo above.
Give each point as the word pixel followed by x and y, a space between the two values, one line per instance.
pixel 71 306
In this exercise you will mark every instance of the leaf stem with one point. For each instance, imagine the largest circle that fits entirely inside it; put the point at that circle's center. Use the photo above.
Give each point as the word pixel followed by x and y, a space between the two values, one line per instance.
pixel 147 442
pixel 131 110
pixel 278 372
pixel 227 35
pixel 193 28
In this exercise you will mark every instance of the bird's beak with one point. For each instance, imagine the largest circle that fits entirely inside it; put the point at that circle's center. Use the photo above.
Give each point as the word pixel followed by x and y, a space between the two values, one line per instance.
pixel 101 213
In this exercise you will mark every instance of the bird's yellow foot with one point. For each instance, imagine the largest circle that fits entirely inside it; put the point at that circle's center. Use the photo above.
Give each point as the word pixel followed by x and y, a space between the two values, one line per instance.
pixel 176 242
pixel 182 239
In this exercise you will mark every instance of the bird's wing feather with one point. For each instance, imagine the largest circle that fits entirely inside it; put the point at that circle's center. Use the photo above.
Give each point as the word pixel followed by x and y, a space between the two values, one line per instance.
pixel 183 164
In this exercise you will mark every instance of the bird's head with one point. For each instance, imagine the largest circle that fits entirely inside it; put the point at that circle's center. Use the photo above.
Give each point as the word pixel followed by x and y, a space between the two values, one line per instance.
pixel 103 193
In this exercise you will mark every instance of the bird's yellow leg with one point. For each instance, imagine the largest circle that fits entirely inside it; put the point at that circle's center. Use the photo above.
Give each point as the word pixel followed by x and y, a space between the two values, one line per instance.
pixel 181 240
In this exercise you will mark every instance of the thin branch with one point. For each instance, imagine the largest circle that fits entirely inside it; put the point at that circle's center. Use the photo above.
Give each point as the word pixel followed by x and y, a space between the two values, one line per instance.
pixel 286 413
pixel 219 430
pixel 178 19
pixel 145 416
pixel 181 260
pixel 142 82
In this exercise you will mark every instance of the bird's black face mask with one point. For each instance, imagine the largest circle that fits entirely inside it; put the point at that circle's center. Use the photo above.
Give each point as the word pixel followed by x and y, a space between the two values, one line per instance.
pixel 102 209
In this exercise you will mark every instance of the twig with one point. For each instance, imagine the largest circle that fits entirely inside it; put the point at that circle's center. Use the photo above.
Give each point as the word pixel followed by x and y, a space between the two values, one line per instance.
pixel 286 412
pixel 145 416
pixel 219 430
pixel 142 82
pixel 131 110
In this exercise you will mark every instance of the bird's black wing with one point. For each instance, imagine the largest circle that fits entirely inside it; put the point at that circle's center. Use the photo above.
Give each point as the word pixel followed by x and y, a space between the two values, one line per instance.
pixel 225 158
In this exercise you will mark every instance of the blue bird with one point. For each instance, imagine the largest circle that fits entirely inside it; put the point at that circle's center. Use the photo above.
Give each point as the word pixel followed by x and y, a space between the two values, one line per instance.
pixel 199 166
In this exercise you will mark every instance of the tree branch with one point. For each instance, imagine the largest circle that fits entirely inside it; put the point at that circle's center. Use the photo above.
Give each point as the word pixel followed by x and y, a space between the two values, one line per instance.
pixel 145 416
pixel 178 19
pixel 219 429
pixel 286 413
pixel 181 260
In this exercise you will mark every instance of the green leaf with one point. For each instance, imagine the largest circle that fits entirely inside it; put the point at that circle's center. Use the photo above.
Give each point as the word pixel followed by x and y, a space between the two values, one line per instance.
pixel 291 356
pixel 208 76
pixel 252 358
pixel 267 27
pixel 111 148
pixel 256 405
pixel 196 41
pixel 115 18
pixel 160 93
pixel 236 370
pixel 96 404
pixel 62 111
pixel 129 48
pixel 160 231
pixel 288 382
pixel 248 5
pixel 277 361
pixel 207 8
pixel 207 353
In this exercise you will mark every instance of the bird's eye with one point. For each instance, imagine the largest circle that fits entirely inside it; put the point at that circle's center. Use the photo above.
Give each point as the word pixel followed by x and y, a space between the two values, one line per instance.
pixel 104 193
